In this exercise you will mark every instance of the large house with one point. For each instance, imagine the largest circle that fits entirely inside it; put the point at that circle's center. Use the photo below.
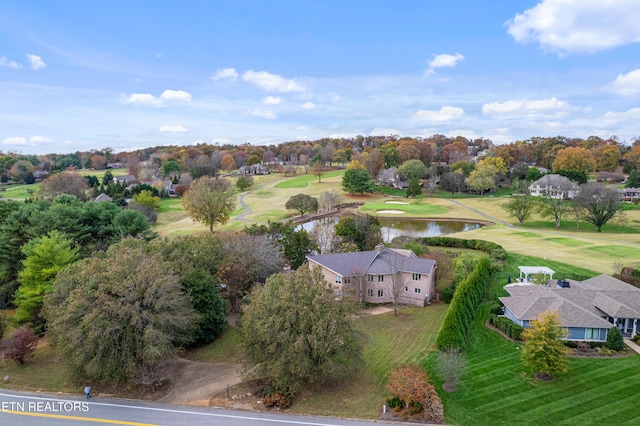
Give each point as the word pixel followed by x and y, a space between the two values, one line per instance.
pixel 554 186
pixel 588 309
pixel 379 276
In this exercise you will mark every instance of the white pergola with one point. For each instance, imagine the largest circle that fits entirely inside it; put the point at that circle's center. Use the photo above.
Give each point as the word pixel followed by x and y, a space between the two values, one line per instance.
pixel 526 271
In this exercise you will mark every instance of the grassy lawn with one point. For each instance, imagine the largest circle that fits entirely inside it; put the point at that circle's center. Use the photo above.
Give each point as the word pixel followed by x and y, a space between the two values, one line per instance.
pixel 226 348
pixel 411 208
pixel 304 180
pixel 20 192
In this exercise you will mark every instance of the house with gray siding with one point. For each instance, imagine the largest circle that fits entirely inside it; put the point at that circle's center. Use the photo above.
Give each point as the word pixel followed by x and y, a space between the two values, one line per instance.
pixel 377 276
pixel 587 309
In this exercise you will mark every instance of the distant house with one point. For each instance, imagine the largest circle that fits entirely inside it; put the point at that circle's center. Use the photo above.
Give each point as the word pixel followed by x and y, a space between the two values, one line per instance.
pixel 372 275
pixel 126 179
pixel 588 309
pixel 102 197
pixel 40 175
pixel 630 194
pixel 115 165
pixel 254 169
pixel 554 186
pixel 390 178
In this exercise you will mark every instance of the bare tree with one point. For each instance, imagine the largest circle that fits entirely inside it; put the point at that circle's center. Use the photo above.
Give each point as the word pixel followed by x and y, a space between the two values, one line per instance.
pixel 556 206
pixel 329 200
pixel 324 234
pixel 396 281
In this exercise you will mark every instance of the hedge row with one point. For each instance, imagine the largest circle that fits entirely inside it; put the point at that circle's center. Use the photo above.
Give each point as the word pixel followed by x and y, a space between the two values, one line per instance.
pixel 467 297
pixel 509 327
pixel 497 254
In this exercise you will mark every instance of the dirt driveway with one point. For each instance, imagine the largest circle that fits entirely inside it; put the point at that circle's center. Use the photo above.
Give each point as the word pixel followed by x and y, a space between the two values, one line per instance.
pixel 194 383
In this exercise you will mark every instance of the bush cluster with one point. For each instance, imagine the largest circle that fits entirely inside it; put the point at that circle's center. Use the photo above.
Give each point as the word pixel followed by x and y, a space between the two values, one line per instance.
pixel 509 328
pixel 447 293
pixel 467 297
pixel 615 341
pixel 497 254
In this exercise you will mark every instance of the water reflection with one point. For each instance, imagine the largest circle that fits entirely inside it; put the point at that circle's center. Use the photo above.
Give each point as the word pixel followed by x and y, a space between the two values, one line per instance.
pixel 392 228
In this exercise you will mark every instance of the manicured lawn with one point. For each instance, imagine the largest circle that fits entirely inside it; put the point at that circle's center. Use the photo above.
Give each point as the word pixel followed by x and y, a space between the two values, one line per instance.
pixel 304 180
pixel 226 348
pixel 412 208
pixel 20 191
pixel 495 389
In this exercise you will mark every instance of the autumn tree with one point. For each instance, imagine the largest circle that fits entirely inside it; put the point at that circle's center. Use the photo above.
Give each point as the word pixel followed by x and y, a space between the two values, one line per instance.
pixel 67 182
pixel 20 346
pixel 543 351
pixel 147 199
pixel 361 230
pixel 409 383
pixel 22 171
pixel 609 159
pixel 482 178
pixel 317 169
pixel 302 203
pixel 127 308
pixel 44 258
pixel 98 162
pixel 574 158
pixel 296 333
pixel 210 201
pixel 599 204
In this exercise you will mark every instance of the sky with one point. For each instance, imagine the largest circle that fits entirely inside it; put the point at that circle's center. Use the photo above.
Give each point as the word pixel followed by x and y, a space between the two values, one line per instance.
pixel 133 74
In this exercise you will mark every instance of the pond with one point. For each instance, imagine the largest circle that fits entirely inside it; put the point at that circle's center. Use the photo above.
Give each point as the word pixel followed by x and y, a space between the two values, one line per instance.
pixel 392 228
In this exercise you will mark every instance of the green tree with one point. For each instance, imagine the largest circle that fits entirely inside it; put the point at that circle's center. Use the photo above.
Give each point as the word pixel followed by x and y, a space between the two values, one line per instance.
pixel 107 178
pixel 357 181
pixel 132 223
pixel 145 198
pixel 599 204
pixel 361 230
pixel 210 201
pixel 295 244
pixel 634 179
pixel 533 174
pixel 414 188
pixel 170 168
pixel 296 333
pixel 302 203
pixel 22 171
pixel 117 314
pixel 413 169
pixel 543 350
pixel 482 178
pixel 44 258
pixel 522 204
pixel 244 182
pixel 615 341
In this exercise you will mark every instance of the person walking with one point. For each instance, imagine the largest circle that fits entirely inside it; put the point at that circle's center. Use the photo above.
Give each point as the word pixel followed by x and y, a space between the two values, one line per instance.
pixel 87 391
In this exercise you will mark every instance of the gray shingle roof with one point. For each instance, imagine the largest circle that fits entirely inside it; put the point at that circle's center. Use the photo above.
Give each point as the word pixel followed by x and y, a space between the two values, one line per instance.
pixel 373 262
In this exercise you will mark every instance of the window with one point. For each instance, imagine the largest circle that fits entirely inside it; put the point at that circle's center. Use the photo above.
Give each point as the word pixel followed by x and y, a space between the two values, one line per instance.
pixel 370 278
pixel 380 293
pixel 380 278
pixel 406 288
pixel 592 333
pixel 347 280
pixel 416 277
pixel 417 290
pixel 370 292
pixel 338 279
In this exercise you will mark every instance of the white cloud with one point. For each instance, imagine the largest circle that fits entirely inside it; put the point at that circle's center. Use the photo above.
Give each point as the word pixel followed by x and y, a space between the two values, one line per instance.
pixel 173 129
pixel 551 106
pixel 626 84
pixel 632 114
pixel 272 82
pixel 384 131
pixel 176 95
pixel 39 140
pixel 308 105
pixel 36 62
pixel 446 113
pixel 264 113
pixel 142 99
pixel 225 74
pixel 271 100
pixel 443 60
pixel 4 62
pixel 15 141
pixel 578 26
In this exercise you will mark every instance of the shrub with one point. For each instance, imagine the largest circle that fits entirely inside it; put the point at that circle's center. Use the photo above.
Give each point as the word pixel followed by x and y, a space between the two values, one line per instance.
pixel 447 293
pixel 614 339
pixel 497 254
pixel 395 403
pixel 496 308
pixel 279 400
pixel 509 328
pixel 20 346
pixel 571 344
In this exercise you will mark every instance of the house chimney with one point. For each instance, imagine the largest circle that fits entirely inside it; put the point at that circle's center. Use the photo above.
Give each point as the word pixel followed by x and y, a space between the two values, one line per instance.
pixel 380 247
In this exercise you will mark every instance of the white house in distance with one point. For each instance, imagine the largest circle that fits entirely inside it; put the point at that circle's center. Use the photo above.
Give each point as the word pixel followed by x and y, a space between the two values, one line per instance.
pixel 374 275
pixel 588 309
pixel 554 186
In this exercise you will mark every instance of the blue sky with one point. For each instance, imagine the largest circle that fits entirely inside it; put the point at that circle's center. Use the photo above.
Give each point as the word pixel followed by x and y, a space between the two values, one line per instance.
pixel 131 74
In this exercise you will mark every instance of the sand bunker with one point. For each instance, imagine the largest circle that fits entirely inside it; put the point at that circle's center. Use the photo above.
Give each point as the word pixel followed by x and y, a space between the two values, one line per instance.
pixel 390 211
pixel 395 202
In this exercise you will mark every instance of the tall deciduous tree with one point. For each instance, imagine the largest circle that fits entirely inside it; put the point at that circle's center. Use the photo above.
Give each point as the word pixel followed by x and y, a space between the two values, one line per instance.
pixel 295 332
pixel 521 205
pixel 115 315
pixel 599 204
pixel 210 201
pixel 413 169
pixel 228 163
pixel 575 159
pixel 482 178
pixel 67 182
pixel 543 350
pixel 44 258
pixel 170 168
pixel 302 203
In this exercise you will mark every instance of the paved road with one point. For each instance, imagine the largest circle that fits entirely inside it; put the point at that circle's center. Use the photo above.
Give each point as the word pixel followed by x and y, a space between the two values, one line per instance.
pixel 27 409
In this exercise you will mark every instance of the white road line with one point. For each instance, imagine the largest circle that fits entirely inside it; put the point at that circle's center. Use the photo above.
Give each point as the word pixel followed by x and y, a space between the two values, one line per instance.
pixel 181 411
